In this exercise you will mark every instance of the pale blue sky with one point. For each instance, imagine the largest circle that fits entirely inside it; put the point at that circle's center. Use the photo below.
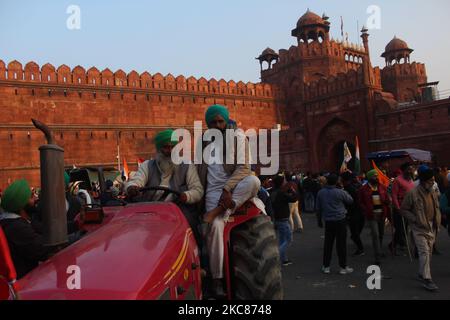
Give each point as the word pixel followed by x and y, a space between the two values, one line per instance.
pixel 208 38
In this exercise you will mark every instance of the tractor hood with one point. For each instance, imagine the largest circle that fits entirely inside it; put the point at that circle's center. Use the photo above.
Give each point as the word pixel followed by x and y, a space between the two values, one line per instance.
pixel 128 258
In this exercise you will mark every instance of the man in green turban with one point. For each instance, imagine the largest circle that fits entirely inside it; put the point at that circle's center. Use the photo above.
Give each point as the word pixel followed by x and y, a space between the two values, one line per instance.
pixel 26 245
pixel 227 187
pixel 163 172
pixel 217 117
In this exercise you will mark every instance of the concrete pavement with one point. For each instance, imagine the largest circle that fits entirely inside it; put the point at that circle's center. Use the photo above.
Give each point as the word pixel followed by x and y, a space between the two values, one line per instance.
pixel 304 280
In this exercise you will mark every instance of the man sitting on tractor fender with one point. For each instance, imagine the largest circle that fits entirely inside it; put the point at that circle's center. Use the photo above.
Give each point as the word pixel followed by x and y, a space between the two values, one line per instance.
pixel 228 186
pixel 163 172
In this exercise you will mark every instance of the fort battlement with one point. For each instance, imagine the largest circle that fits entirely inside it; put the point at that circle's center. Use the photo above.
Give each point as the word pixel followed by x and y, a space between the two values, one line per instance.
pixel 348 54
pixel 106 79
pixel 342 83
pixel 406 69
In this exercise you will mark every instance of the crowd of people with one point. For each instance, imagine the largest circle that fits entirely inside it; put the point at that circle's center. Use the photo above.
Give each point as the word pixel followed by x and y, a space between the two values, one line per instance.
pixel 415 204
pixel 210 193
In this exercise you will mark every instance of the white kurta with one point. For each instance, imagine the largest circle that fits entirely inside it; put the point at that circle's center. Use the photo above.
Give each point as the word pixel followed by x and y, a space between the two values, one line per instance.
pixel 217 178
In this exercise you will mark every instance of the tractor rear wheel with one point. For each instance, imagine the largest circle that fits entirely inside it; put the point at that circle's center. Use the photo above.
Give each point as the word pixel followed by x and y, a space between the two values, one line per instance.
pixel 255 261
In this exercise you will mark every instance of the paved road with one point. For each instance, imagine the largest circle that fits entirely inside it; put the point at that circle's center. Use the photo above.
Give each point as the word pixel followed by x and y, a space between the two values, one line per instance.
pixel 303 280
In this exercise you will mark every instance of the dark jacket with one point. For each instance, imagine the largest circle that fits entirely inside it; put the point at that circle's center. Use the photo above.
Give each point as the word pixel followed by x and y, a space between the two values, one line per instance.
pixel 72 212
pixel 332 202
pixel 280 203
pixel 26 246
pixel 366 201
pixel 353 210
pixel 445 204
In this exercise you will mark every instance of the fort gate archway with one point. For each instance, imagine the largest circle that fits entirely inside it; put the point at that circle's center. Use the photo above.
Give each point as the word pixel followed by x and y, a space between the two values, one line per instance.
pixel 330 144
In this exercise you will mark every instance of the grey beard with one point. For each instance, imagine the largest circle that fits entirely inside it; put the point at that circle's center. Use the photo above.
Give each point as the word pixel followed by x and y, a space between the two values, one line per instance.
pixel 165 164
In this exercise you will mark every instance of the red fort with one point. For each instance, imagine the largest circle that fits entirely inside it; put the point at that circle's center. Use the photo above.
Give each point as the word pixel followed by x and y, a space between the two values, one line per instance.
pixel 322 92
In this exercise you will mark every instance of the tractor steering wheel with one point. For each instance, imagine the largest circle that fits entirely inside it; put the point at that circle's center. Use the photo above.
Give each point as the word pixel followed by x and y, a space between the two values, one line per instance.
pixel 149 194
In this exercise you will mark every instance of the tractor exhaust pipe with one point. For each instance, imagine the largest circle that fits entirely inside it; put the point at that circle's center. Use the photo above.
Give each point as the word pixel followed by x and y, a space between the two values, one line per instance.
pixel 52 198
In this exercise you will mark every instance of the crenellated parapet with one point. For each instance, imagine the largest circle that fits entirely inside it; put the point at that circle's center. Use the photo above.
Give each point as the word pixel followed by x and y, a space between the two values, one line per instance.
pixel 79 76
pixel 414 69
pixel 342 83
pixel 347 55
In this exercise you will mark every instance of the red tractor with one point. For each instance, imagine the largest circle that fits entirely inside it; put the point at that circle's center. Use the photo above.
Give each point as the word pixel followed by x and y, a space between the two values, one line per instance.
pixel 148 251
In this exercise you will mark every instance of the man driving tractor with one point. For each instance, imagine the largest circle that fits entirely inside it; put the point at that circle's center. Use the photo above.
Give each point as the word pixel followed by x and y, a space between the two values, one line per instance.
pixel 162 172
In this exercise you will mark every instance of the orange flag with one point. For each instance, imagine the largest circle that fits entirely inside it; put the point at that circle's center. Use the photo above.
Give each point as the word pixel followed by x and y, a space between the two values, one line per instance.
pixel 382 178
pixel 125 170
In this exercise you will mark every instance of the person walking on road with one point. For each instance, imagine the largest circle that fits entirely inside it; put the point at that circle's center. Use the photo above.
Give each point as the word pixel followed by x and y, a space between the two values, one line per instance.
pixel 421 208
pixel 331 206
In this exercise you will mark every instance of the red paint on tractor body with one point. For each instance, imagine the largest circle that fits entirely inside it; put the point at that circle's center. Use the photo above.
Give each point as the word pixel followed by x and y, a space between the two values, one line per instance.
pixel 142 251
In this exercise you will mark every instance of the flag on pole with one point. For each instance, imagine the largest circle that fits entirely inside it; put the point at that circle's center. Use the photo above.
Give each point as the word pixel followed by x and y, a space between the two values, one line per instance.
pixel 125 170
pixel 344 167
pixel 357 169
pixel 347 158
pixel 382 178
pixel 347 154
pixel 342 27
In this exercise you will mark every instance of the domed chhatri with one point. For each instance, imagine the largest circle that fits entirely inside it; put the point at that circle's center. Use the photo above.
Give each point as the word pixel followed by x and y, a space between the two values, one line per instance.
pixel 397 50
pixel 309 18
pixel 269 51
pixel 397 44
pixel 311 26
pixel 268 55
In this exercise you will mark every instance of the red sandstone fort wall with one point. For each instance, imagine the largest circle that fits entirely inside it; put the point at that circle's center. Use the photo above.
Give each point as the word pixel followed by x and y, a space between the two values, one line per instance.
pixel 424 127
pixel 91 112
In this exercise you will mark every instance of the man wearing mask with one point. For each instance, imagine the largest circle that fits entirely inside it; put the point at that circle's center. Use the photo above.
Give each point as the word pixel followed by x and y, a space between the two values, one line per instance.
pixel 374 202
pixel 26 245
pixel 163 172
pixel 421 208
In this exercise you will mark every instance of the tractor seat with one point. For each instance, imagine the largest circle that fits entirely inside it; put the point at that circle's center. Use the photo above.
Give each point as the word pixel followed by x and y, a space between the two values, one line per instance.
pixel 243 210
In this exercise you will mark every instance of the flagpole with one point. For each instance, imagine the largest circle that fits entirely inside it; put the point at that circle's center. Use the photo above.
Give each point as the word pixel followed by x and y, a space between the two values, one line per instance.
pixel 118 151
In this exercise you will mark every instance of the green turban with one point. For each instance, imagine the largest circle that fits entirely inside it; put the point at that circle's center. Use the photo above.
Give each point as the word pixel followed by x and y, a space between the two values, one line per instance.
pixel 66 179
pixel 217 110
pixel 16 196
pixel 371 174
pixel 163 138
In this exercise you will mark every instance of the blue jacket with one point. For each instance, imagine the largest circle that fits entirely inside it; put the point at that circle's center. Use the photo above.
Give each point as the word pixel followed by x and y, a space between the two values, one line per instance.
pixel 332 202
